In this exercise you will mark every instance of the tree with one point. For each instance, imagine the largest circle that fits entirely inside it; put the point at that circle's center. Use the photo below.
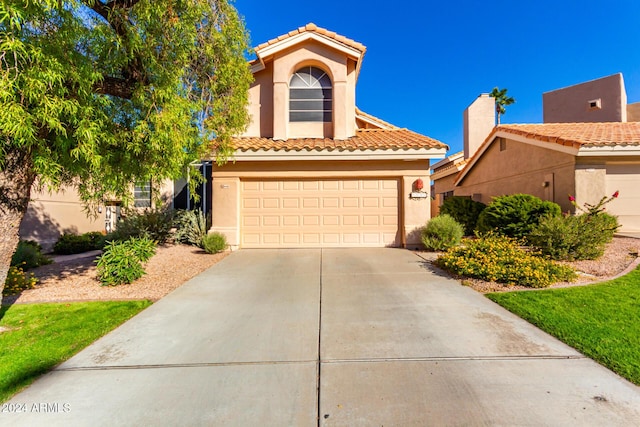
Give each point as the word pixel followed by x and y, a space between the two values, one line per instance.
pixel 100 94
pixel 502 100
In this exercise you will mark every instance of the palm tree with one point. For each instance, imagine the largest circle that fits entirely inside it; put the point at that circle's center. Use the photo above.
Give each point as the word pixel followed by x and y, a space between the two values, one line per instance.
pixel 502 100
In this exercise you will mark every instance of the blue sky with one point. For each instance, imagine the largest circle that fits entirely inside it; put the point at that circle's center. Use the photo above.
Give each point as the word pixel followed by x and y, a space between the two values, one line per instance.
pixel 426 61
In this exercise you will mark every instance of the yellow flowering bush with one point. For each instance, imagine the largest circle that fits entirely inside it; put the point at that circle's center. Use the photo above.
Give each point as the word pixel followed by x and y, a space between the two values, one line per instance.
pixel 501 259
pixel 17 281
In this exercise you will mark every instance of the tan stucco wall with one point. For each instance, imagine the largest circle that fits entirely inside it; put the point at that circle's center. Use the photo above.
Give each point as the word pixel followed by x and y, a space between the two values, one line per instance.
pixel 570 104
pixel 269 94
pixel 633 112
pixel 478 121
pixel 520 168
pixel 261 103
pixel 440 186
pixel 226 195
pixel 51 214
pixel 599 177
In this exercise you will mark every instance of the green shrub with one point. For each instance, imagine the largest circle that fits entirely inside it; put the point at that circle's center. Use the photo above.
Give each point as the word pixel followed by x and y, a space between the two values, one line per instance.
pixel 121 262
pixel 442 233
pixel 28 255
pixel 156 224
pixel 191 227
pixel 464 210
pixel 70 243
pixel 17 281
pixel 214 242
pixel 500 259
pixel 515 215
pixel 573 238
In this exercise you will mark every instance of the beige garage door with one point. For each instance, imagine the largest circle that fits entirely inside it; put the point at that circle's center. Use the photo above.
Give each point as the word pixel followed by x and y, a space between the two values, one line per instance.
pixel 625 179
pixel 319 213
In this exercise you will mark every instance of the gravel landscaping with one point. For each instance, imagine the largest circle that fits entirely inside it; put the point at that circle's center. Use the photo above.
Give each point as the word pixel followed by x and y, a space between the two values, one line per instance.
pixel 172 266
pixel 75 280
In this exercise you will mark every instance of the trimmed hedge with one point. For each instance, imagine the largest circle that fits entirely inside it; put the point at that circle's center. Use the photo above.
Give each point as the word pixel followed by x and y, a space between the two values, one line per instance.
pixel 70 243
pixel 214 242
pixel 464 210
pixel 515 215
pixel 442 233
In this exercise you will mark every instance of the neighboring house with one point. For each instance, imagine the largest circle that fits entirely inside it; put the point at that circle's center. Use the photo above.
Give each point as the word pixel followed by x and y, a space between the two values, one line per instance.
pixel 555 160
pixel 312 170
pixel 599 100
pixel 50 214
pixel 588 160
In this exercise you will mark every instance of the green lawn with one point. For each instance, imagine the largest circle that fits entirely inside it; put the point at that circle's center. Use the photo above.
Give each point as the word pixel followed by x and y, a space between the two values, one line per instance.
pixel 43 335
pixel 602 321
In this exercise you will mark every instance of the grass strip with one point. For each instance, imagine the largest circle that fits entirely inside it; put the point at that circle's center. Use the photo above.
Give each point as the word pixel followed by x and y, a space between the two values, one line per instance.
pixel 602 321
pixel 41 336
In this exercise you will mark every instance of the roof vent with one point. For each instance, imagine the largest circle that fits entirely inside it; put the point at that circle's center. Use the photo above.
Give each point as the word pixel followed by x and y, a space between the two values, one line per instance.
pixel 594 104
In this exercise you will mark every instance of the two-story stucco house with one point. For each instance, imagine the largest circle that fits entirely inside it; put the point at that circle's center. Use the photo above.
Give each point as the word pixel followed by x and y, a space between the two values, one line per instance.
pixel 312 170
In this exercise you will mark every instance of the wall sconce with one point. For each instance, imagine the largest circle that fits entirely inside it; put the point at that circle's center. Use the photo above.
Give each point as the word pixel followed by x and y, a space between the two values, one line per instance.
pixel 418 185
pixel 545 184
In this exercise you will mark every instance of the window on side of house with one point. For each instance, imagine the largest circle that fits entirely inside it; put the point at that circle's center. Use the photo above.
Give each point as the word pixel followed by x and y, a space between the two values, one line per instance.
pixel 142 194
pixel 310 96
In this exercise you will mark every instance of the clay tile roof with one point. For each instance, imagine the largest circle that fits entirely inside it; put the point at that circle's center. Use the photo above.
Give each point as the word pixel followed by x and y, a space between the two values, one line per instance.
pixel 579 134
pixel 379 122
pixel 365 139
pixel 314 28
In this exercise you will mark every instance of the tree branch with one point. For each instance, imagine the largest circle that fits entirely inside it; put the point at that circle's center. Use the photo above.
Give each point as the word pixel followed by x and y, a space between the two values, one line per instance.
pixel 114 86
pixel 115 13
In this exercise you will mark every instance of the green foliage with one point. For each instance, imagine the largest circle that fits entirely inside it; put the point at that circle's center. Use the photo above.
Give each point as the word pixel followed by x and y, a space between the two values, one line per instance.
pixel 574 237
pixel 601 321
pixel 214 242
pixel 502 100
pixel 515 215
pixel 155 224
pixel 29 255
pixel 442 233
pixel 501 259
pixel 41 336
pixel 17 281
pixel 70 243
pixel 102 94
pixel 592 209
pixel 99 95
pixel 191 227
pixel 121 262
pixel 464 210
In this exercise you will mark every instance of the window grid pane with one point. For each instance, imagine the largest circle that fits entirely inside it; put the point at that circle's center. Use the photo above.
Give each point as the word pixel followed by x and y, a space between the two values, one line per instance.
pixel 310 96
pixel 142 195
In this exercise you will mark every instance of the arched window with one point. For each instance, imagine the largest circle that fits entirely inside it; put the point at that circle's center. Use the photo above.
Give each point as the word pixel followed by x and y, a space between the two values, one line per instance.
pixel 310 96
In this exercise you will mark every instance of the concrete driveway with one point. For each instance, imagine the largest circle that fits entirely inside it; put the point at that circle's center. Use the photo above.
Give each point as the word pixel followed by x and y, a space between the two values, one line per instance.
pixel 331 337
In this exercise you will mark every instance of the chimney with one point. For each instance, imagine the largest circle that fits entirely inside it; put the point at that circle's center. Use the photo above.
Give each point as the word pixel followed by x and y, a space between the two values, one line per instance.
pixel 479 120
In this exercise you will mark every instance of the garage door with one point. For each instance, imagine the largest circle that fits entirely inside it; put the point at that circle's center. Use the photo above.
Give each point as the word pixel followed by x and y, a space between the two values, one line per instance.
pixel 624 178
pixel 319 213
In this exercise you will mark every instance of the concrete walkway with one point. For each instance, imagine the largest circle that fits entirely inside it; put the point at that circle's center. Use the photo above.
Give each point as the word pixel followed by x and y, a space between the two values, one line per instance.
pixel 332 337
